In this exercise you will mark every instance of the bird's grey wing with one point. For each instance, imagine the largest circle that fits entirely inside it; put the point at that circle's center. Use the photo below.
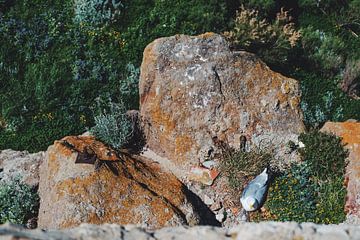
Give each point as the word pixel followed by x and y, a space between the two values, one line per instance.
pixel 258 183
pixel 261 180
pixel 261 193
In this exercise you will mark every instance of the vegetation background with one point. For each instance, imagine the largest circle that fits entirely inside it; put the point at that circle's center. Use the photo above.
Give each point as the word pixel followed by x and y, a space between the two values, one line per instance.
pixel 57 57
pixel 59 60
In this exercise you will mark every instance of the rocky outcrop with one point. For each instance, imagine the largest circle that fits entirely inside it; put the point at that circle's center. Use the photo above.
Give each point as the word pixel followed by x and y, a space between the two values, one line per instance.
pixel 248 231
pixel 14 164
pixel 350 134
pixel 194 90
pixel 124 190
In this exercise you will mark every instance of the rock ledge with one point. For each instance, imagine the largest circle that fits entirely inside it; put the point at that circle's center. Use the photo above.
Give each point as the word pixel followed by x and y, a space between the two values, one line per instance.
pixel 247 231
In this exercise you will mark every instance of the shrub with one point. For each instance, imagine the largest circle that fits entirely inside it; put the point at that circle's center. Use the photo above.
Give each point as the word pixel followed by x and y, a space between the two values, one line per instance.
pixel 324 154
pixel 325 49
pixel 96 12
pixel 312 190
pixel 271 41
pixel 291 196
pixel 330 196
pixel 322 100
pixel 18 202
pixel 238 166
pixel 112 126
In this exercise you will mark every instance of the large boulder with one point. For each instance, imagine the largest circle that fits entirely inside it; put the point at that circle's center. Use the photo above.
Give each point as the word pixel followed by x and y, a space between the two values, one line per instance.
pixel 20 164
pixel 350 134
pixel 124 190
pixel 194 89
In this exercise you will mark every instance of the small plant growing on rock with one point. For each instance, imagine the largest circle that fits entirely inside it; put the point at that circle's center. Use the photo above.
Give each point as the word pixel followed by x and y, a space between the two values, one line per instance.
pixel 112 126
pixel 18 202
pixel 239 165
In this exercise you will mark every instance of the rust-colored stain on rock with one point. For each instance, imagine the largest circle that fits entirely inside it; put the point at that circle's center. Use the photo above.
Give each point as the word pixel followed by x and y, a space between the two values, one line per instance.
pixel 74 193
pixel 194 88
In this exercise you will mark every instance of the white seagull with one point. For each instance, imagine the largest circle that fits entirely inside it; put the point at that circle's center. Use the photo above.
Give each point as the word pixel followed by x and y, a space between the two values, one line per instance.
pixel 254 194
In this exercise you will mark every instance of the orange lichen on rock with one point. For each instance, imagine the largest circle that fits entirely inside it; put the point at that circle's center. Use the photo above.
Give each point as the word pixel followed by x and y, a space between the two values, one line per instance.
pixel 207 35
pixel 72 194
pixel 194 88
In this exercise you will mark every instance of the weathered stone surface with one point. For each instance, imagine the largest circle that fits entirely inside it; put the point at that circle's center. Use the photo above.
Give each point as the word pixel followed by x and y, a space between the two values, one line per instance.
pixel 21 164
pixel 246 231
pixel 203 175
pixel 142 193
pixel 350 134
pixel 193 89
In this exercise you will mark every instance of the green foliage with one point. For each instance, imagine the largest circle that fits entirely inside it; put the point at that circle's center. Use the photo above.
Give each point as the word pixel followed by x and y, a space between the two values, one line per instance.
pixel 39 131
pixel 312 190
pixel 324 154
pixel 112 126
pixel 330 195
pixel 322 100
pixel 147 20
pixel 325 49
pixel 239 166
pixel 291 196
pixel 96 12
pixel 58 56
pixel 18 202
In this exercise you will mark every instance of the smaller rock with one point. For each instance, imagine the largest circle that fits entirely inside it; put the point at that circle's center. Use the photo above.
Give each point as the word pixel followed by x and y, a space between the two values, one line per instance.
pixel 210 164
pixel 220 217
pixel 301 144
pixel 204 175
pixel 208 200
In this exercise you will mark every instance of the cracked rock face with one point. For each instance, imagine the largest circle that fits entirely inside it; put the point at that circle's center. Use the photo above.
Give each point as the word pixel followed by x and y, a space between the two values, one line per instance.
pixel 130 191
pixel 193 89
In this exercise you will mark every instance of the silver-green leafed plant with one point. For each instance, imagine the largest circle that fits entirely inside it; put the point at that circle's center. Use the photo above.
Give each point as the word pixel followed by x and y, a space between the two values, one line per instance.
pixel 112 125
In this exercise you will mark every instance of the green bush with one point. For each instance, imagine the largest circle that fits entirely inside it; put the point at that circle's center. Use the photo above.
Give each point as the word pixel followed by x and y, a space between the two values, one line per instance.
pixel 18 202
pixel 96 12
pixel 112 126
pixel 322 100
pixel 313 190
pixel 324 154
pixel 291 196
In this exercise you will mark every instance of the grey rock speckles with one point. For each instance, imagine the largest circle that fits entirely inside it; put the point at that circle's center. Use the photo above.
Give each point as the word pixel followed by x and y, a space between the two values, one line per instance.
pixel 246 231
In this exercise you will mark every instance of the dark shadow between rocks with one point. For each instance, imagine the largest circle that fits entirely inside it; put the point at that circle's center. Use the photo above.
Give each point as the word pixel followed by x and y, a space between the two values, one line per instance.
pixel 137 140
pixel 207 217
